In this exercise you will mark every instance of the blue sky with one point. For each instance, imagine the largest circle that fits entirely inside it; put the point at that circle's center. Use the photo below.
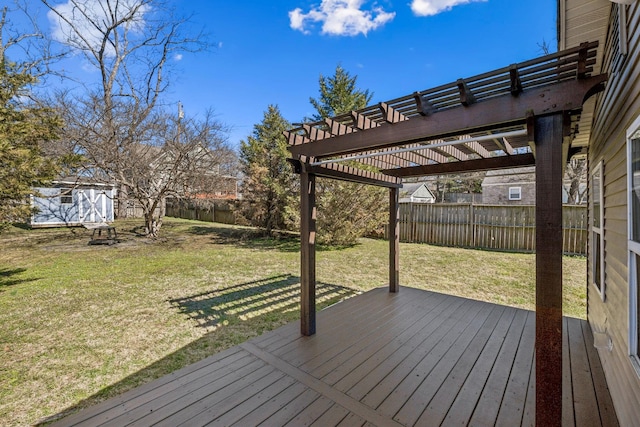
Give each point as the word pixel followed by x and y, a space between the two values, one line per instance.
pixel 273 52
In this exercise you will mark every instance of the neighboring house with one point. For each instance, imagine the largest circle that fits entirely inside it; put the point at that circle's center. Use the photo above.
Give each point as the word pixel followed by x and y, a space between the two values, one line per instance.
pixel 416 192
pixel 72 202
pixel 518 187
pixel 613 149
pixel 186 171
pixel 510 187
pixel 223 187
pixel 466 198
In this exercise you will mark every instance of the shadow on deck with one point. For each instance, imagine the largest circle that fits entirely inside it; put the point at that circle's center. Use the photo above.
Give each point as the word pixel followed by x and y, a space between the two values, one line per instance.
pixel 412 358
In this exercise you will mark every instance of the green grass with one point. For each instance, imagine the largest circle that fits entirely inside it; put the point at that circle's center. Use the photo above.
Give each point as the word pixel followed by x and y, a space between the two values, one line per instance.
pixel 81 323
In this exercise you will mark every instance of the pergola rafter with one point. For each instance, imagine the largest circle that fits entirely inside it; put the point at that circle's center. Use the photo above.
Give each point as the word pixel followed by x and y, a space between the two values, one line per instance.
pixel 519 115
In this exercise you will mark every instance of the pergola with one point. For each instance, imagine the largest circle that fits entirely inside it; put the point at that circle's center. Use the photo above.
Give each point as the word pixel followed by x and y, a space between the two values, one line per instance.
pixel 522 114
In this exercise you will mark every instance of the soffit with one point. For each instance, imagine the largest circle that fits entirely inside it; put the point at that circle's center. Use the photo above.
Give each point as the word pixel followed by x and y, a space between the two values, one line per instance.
pixel 582 20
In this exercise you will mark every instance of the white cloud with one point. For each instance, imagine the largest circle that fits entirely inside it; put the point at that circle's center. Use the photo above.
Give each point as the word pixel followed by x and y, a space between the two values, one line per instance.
pixel 340 18
pixel 82 14
pixel 177 57
pixel 433 7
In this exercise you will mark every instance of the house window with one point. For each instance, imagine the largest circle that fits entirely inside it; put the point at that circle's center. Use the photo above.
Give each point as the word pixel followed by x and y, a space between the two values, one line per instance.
pixel 633 207
pixel 597 236
pixel 515 193
pixel 66 197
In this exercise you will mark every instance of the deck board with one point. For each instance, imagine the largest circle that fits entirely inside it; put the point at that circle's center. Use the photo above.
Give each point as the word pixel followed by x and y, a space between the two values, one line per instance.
pixel 491 395
pixel 466 345
pixel 332 417
pixel 464 404
pixel 377 359
pixel 583 391
pixel 605 404
pixel 361 380
pixel 512 407
pixel 415 377
pixel 568 417
pixel 309 414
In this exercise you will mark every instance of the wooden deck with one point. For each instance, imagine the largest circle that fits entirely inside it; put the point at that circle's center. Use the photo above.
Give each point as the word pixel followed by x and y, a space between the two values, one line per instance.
pixel 412 358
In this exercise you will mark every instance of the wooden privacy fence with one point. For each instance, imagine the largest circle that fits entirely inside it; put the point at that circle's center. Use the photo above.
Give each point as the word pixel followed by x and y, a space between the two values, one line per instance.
pixel 218 211
pixel 510 228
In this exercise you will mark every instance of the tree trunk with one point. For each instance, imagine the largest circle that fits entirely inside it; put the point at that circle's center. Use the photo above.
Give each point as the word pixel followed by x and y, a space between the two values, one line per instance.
pixel 123 196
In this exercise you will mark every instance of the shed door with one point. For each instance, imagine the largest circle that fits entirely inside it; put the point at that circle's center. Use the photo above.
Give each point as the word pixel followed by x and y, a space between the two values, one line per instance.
pixel 92 205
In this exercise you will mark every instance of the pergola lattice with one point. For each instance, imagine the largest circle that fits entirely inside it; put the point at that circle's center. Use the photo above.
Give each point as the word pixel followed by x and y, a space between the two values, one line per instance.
pixel 523 114
pixel 474 119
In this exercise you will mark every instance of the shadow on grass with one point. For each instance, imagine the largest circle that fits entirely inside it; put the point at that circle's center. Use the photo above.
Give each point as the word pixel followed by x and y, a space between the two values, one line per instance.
pixel 283 241
pixel 22 226
pixel 230 316
pixel 247 237
pixel 7 279
pixel 249 300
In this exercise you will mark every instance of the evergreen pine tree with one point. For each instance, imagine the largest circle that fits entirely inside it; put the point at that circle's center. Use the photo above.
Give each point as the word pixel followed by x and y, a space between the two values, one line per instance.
pixel 269 192
pixel 338 95
pixel 22 131
pixel 346 211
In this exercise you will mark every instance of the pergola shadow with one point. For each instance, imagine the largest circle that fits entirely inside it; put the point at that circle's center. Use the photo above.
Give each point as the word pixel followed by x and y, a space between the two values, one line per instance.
pixel 279 294
pixel 7 279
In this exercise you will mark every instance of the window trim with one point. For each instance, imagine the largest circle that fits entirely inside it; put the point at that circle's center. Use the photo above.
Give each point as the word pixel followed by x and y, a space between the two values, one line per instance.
pixel 66 196
pixel 599 231
pixel 519 197
pixel 633 250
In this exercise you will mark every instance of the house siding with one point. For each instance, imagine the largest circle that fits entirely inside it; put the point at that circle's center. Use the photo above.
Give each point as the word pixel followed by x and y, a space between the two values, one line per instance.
pixel 616 108
pixel 496 184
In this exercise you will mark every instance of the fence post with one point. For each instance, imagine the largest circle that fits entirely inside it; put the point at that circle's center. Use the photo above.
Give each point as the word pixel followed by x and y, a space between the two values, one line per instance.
pixel 472 224
pixel 411 237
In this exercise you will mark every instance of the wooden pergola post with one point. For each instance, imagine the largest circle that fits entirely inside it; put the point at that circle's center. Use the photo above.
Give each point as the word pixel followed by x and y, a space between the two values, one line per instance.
pixel 307 253
pixel 394 240
pixel 548 138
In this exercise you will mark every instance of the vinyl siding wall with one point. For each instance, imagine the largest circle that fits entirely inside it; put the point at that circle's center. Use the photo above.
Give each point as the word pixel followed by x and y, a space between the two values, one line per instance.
pixel 616 108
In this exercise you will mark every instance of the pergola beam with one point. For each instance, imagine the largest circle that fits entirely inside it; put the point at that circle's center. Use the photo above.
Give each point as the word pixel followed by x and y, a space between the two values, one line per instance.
pixel 501 110
pixel 501 162
pixel 347 173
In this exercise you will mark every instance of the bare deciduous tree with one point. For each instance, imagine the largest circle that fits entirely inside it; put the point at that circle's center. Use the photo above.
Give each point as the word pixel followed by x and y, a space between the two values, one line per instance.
pixel 116 125
pixel 575 182
pixel 32 52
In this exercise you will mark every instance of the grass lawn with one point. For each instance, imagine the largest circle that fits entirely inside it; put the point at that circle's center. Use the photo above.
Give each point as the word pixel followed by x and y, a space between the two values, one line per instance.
pixel 81 323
